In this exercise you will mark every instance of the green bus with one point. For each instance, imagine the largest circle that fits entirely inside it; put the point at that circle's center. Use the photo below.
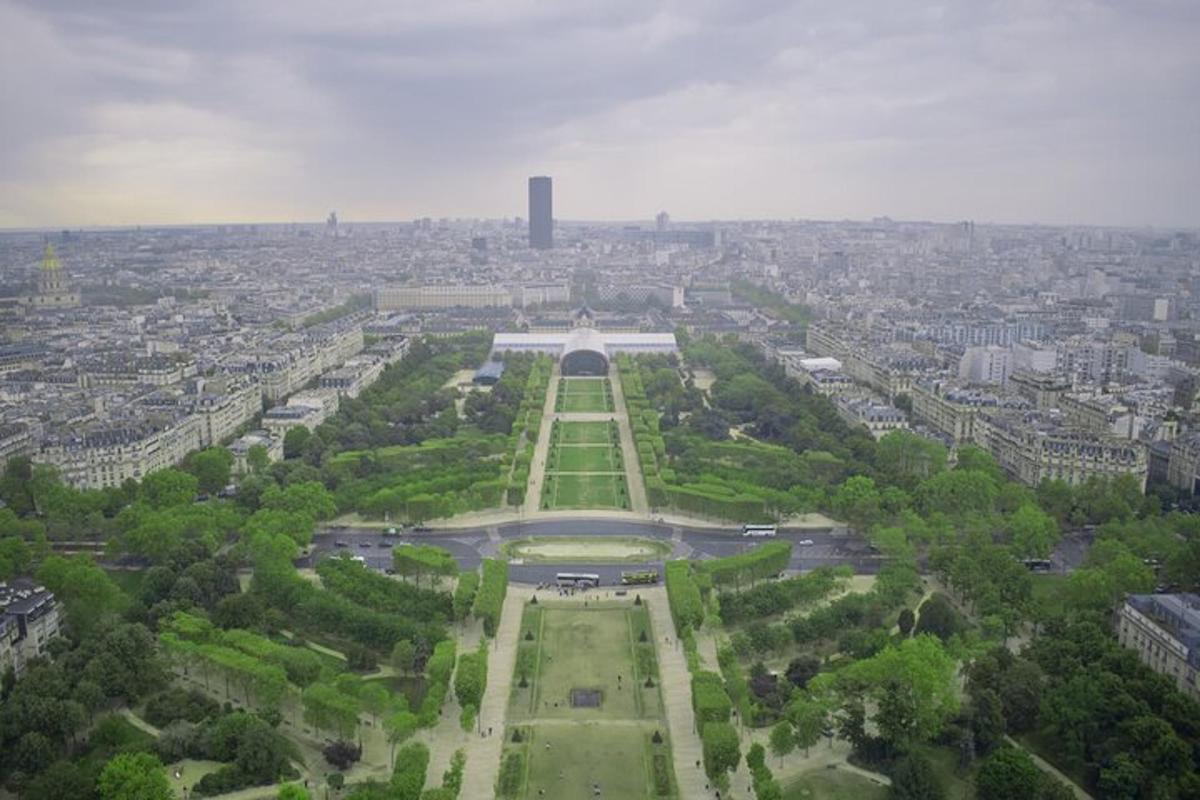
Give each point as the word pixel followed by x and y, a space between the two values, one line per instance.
pixel 639 577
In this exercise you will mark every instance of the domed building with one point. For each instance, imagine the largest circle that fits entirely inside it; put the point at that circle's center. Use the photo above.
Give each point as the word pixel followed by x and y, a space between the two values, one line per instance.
pixel 54 290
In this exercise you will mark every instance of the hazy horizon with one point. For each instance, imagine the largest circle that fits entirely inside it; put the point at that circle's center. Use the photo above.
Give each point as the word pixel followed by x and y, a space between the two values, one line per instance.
pixel 1053 113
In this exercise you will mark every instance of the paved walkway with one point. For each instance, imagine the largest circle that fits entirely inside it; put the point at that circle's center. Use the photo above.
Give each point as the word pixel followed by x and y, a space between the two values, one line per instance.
pixel 676 684
pixel 633 467
pixel 541 451
pixel 483 752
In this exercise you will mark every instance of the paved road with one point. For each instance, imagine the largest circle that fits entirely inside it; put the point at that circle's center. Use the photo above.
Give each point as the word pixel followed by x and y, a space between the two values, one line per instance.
pixel 470 545
pixel 829 547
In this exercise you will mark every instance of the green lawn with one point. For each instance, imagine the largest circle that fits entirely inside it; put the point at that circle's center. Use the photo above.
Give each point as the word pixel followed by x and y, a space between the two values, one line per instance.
pixel 584 395
pixel 583 404
pixel 585 458
pixel 577 490
pixel 569 751
pixel 582 756
pixel 834 784
pixel 571 638
pixel 584 432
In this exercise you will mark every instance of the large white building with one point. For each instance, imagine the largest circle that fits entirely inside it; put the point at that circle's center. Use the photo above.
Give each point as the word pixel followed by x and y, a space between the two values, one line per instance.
pixel 398 298
pixel 584 351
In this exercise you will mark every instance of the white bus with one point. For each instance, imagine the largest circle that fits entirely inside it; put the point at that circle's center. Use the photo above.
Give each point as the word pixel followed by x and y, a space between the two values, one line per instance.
pixel 581 580
pixel 758 530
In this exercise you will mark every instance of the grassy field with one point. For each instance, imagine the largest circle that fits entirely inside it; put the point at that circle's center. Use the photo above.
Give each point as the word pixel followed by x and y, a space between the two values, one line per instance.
pixel 586 549
pixel 585 458
pixel 582 490
pixel 832 784
pixel 585 432
pixel 569 760
pixel 584 468
pixel 569 751
pixel 584 395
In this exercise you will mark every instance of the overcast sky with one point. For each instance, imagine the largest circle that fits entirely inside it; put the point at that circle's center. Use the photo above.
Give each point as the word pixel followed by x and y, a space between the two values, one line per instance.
pixel 154 111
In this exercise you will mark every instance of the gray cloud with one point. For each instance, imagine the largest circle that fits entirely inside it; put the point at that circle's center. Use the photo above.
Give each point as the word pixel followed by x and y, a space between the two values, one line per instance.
pixel 1031 110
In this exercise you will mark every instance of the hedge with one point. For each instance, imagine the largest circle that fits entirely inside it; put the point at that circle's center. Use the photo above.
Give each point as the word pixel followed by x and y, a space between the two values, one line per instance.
pixel 437 670
pixel 464 594
pixel 471 677
pixel 709 699
pixel 408 777
pixel 489 600
pixel 683 595
pixel 766 560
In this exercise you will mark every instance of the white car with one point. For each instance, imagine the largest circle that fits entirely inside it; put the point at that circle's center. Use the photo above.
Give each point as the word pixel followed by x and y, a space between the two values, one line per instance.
pixel 806 542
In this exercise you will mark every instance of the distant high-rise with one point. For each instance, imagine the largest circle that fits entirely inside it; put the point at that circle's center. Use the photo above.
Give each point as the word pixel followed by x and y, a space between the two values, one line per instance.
pixel 541 213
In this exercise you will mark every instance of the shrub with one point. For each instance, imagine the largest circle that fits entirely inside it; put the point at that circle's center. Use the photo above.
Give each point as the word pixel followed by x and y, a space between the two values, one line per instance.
pixel 512 772
pixel 408 778
pixel 341 754
pixel 662 775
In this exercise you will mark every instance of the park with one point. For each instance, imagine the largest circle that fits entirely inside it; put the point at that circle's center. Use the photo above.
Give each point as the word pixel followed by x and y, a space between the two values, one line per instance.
pixel 585 715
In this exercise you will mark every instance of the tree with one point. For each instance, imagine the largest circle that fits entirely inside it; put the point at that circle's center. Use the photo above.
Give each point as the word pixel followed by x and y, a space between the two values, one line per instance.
pixel 987 720
pixel 212 468
pixel 258 458
pixel 808 721
pixel 399 727
pixel 916 677
pixel 913 778
pixel 938 616
pixel 134 776
pixel 1009 774
pixel 169 487
pixel 1034 532
pixel 33 752
pixel 905 621
pixel 802 669
pixel 721 749
pixel 375 699
pixel 294 441
pixel 783 740
pixel 59 781
pixel 403 654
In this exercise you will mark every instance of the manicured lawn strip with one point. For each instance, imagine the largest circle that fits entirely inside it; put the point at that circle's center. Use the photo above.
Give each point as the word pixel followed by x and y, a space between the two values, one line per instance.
pixel 584 404
pixel 584 432
pixel 575 490
pixel 584 458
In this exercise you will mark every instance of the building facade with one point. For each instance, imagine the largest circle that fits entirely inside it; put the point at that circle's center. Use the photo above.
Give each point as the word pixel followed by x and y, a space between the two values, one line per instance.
pixel 29 619
pixel 1164 630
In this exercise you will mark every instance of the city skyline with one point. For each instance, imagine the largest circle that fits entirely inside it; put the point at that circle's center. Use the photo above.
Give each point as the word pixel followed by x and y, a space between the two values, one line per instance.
pixel 1056 113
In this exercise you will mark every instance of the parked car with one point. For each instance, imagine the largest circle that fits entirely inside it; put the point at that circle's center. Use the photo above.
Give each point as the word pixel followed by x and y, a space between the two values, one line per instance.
pixel 340 543
pixel 806 542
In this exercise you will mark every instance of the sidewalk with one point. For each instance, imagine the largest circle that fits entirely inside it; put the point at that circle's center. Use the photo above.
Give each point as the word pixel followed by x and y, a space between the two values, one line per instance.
pixel 483 752
pixel 633 467
pixel 676 684
pixel 541 450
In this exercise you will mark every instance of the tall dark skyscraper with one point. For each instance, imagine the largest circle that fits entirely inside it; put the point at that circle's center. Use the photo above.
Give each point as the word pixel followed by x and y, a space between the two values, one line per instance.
pixel 541 213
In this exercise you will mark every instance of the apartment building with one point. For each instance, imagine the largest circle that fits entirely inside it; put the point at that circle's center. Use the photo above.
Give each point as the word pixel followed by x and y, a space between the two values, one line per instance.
pixel 879 419
pixel 1183 465
pixel 1164 630
pixel 949 407
pixel 15 440
pixel 29 619
pixel 108 456
pixel 1033 447
pixel 1043 389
